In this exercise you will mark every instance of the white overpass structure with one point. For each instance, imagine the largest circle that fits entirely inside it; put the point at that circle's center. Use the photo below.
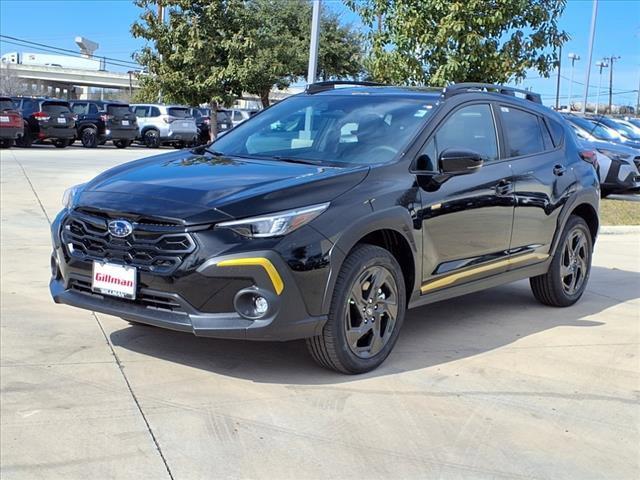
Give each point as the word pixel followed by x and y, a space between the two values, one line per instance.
pixel 66 79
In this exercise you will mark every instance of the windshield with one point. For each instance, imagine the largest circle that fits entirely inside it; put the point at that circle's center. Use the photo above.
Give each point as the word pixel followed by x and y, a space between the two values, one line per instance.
pixel 597 130
pixel 626 130
pixel 331 128
pixel 6 104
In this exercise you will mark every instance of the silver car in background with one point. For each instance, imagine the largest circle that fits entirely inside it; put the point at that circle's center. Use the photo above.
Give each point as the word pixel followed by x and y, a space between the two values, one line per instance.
pixel 619 165
pixel 165 125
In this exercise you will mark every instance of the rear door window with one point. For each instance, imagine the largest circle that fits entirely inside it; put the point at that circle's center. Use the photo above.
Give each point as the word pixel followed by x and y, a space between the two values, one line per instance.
pixel 55 108
pixel 522 131
pixel 556 130
pixel 154 112
pixel 93 109
pixel 141 112
pixel 79 108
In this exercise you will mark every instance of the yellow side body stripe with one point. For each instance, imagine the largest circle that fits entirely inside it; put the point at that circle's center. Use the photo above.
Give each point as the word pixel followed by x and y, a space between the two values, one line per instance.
pixel 265 263
pixel 452 278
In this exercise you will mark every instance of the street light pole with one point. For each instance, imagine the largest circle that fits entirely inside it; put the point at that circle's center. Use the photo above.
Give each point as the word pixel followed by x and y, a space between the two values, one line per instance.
pixel 611 59
pixel 558 82
pixel 315 41
pixel 574 57
pixel 592 33
pixel 602 64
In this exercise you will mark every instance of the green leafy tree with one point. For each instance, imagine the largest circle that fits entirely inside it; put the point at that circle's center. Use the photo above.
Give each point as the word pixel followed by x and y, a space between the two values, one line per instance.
pixel 188 55
pixel 276 36
pixel 440 41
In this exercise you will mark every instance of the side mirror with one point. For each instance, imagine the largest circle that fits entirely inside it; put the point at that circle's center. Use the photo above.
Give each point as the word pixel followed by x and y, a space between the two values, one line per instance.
pixel 459 162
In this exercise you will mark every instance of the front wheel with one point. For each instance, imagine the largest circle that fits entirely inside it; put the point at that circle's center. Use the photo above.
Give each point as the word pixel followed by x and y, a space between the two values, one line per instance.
pixel 566 280
pixel 366 313
pixel 6 143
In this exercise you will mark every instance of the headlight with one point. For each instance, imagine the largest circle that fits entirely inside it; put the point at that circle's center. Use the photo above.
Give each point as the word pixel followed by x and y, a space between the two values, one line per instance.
pixel 613 155
pixel 276 224
pixel 69 194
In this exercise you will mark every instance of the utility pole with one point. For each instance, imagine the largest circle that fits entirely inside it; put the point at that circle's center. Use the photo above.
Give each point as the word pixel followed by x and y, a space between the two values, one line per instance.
pixel 558 81
pixel 592 34
pixel 574 58
pixel 611 59
pixel 602 64
pixel 161 18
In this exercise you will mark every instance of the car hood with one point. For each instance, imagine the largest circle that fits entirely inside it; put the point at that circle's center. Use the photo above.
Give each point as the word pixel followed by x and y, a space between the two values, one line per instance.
pixel 201 188
pixel 614 147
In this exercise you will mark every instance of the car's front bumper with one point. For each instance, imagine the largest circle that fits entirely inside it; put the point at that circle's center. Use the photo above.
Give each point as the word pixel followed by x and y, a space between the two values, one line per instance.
pixel 200 297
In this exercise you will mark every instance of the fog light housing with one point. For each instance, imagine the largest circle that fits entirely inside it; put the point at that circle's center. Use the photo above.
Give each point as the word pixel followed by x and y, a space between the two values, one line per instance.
pixel 254 303
pixel 55 269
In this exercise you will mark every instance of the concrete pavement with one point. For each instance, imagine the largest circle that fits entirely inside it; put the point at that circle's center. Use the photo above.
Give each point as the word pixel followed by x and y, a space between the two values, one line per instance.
pixel 491 385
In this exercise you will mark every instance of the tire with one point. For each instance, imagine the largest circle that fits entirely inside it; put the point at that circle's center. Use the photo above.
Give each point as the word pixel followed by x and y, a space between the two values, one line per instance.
pixel 349 343
pixel 151 138
pixel 179 145
pixel 61 143
pixel 26 140
pixel 89 137
pixel 121 143
pixel 568 274
pixel 6 143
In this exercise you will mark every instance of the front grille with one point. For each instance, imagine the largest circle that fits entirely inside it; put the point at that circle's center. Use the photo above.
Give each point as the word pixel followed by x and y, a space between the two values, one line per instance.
pixel 157 248
pixel 636 160
pixel 145 299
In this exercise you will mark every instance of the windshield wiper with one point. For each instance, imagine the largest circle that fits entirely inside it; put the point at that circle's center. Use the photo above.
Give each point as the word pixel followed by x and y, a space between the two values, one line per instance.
pixel 307 161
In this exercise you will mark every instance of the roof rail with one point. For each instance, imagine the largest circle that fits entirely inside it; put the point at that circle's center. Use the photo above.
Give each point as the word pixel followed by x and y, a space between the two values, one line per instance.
pixel 465 87
pixel 331 84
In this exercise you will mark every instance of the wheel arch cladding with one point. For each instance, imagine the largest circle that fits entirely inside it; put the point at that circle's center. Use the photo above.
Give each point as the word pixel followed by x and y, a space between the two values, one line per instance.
pixel 589 214
pixel 396 244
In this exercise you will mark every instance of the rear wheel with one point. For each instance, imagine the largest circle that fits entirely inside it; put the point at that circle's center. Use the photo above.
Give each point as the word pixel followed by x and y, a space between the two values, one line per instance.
pixel 89 137
pixel 151 138
pixel 122 143
pixel 366 313
pixel 6 143
pixel 568 273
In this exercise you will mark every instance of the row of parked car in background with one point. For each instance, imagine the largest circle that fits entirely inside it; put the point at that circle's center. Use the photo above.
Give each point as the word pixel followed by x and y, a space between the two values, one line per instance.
pixel 27 120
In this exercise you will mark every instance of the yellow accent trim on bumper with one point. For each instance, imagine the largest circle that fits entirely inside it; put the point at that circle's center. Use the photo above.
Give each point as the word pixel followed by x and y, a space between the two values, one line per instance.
pixel 265 263
pixel 452 278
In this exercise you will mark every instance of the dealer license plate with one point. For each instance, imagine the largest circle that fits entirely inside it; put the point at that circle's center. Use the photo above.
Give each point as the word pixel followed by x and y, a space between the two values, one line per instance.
pixel 125 122
pixel 62 120
pixel 114 280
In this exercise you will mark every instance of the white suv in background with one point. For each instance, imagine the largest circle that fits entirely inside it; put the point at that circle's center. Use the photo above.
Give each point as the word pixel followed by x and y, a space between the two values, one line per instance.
pixel 239 115
pixel 165 125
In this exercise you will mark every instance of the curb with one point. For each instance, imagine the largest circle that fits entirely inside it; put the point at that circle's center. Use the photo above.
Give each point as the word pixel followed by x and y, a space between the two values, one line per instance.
pixel 619 229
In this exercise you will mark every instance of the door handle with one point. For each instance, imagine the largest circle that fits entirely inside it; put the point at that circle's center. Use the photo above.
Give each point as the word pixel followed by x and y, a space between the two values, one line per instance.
pixel 558 170
pixel 504 187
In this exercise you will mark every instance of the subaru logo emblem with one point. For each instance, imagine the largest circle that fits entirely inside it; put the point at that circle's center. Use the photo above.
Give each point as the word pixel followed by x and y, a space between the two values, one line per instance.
pixel 120 228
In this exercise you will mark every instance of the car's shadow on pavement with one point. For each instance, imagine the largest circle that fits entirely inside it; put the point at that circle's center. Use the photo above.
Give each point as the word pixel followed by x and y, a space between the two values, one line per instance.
pixel 432 335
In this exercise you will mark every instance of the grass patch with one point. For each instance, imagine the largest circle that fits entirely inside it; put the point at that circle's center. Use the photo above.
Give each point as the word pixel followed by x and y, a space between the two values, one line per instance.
pixel 619 212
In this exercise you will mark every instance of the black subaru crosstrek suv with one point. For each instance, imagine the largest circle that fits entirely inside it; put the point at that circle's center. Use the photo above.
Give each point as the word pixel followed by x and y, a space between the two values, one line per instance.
pixel 328 215
pixel 46 120
pixel 100 121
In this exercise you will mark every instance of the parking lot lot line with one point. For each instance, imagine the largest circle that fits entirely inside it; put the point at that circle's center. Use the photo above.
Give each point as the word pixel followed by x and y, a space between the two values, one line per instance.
pixel 491 385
